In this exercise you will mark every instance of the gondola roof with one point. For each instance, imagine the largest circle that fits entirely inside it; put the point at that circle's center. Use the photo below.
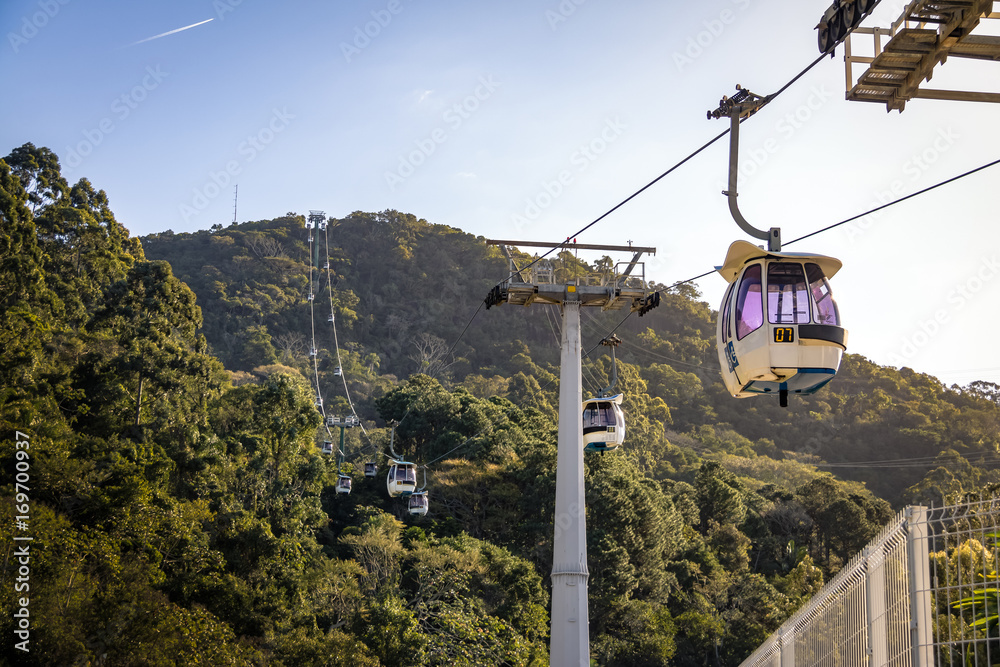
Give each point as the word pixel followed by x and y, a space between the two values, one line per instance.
pixel 741 252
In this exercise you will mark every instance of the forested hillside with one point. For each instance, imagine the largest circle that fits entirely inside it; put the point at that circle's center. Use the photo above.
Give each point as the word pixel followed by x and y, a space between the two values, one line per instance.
pixel 181 510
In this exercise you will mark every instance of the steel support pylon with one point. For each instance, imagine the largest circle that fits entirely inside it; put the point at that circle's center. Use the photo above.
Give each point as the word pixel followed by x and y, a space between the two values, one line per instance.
pixel 569 645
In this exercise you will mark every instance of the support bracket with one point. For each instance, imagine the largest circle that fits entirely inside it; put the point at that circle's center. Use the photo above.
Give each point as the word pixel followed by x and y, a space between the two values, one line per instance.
pixel 738 107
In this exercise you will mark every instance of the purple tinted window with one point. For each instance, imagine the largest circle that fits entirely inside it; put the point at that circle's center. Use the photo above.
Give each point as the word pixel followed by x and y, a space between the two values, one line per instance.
pixel 749 308
pixel 787 294
pixel 601 413
pixel 826 307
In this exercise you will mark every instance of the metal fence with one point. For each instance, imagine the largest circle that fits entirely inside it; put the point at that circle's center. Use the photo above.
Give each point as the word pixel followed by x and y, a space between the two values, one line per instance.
pixel 924 592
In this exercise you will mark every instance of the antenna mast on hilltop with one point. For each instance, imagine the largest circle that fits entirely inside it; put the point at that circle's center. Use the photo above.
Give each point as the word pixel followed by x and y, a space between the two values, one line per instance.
pixel 236 197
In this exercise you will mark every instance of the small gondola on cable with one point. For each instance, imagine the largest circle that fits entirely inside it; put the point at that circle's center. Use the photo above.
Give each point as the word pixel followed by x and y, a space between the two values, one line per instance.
pixel 401 481
pixel 343 483
pixel 417 503
pixel 603 419
pixel 779 329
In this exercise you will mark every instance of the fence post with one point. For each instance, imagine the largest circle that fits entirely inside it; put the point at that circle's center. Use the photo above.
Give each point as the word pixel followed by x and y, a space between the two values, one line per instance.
pixel 786 638
pixel 918 556
pixel 878 635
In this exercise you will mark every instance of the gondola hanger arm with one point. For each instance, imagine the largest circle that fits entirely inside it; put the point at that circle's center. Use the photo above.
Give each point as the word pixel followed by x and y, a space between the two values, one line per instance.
pixel 738 107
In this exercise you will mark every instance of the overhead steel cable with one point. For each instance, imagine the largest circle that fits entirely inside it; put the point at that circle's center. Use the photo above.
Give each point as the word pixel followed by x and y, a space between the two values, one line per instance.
pixel 897 201
pixel 333 322
pixel 708 273
pixel 638 192
pixel 824 229
pixel 669 171
pixel 619 205
pixel 313 350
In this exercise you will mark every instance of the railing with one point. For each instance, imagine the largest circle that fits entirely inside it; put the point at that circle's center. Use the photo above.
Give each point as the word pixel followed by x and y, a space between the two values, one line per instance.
pixel 924 592
pixel 543 273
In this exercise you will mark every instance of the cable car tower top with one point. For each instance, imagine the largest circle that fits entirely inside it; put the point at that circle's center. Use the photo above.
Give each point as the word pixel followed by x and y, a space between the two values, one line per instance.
pixel 625 284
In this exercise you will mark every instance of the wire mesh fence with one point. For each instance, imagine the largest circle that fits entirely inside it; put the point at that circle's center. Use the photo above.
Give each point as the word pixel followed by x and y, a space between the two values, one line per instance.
pixel 965 585
pixel 924 592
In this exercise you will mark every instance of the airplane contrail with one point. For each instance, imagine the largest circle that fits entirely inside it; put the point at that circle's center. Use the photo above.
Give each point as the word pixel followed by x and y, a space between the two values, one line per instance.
pixel 170 32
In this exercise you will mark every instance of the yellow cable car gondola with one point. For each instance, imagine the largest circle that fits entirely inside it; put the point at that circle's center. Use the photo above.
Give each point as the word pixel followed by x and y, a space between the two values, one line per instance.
pixel 402 478
pixel 779 328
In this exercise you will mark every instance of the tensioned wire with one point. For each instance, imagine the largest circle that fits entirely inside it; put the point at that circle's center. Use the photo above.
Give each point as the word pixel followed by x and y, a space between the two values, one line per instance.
pixel 648 185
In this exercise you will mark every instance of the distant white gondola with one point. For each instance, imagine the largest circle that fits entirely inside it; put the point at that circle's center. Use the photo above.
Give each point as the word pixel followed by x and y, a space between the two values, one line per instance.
pixel 371 469
pixel 327 447
pixel 603 424
pixel 402 478
pixel 789 341
pixel 338 371
pixel 418 503
pixel 343 484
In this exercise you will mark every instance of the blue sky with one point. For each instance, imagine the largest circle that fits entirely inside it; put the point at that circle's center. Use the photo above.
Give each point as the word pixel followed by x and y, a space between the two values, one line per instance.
pixel 528 120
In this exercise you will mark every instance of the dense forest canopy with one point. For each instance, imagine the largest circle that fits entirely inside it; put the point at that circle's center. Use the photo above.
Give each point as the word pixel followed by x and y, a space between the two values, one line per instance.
pixel 181 503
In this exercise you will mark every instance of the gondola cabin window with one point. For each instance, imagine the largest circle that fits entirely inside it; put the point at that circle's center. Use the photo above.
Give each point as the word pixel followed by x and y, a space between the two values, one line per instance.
pixel 787 294
pixel 598 415
pixel 826 307
pixel 749 308
pixel 725 321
